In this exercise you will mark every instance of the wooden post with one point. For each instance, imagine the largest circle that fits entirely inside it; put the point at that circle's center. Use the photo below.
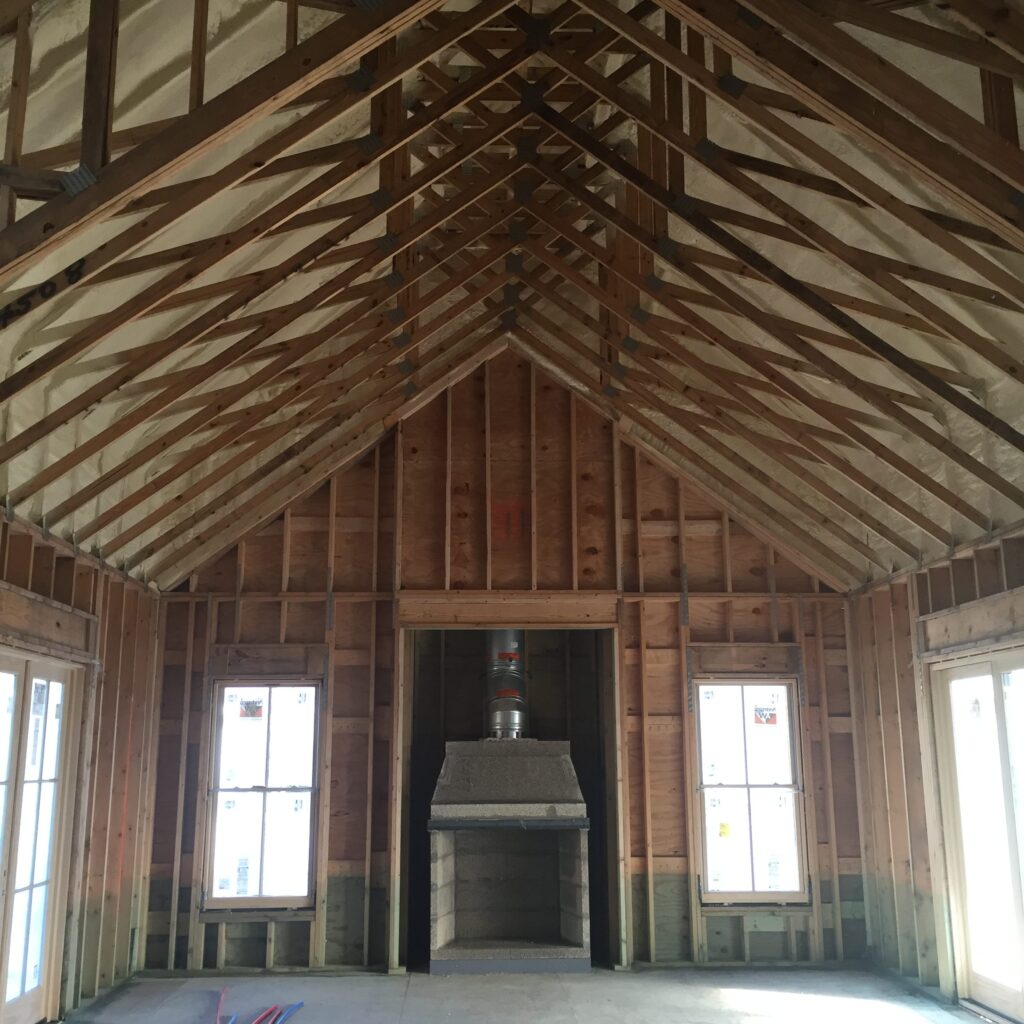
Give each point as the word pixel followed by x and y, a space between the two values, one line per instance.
pixel 318 930
pixel 826 748
pixel 371 712
pixel 100 65
pixel 179 809
pixel 645 734
pixel 208 712
pixel 197 69
pixel 15 131
pixel 622 780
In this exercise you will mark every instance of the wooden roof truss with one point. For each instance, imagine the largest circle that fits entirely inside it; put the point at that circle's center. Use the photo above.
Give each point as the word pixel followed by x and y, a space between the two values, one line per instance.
pixel 765 237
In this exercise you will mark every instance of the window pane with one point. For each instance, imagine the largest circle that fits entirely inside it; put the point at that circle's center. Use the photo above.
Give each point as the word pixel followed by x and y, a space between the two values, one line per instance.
pixel 236 859
pixel 16 955
pixel 1013 701
pixel 7 687
pixel 721 735
pixel 292 717
pixel 44 833
pixel 774 840
pixel 36 726
pixel 26 834
pixel 36 928
pixel 243 741
pixel 54 714
pixel 727 821
pixel 984 834
pixel 769 755
pixel 286 847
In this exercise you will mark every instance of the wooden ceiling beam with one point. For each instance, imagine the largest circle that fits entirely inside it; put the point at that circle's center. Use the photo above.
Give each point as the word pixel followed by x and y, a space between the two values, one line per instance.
pixel 625 379
pixel 979 53
pixel 662 287
pixel 257 441
pixel 147 262
pixel 996 20
pixel 223 117
pixel 813 182
pixel 98 92
pixel 234 241
pixel 680 206
pixel 896 87
pixel 808 550
pixel 309 378
pixel 306 474
pixel 813 448
pixel 270 326
pixel 17 106
pixel 197 328
pixel 870 265
pixel 750 356
pixel 370 376
pixel 11 10
pixel 957 176
pixel 269 159
pixel 861 184
pixel 701 298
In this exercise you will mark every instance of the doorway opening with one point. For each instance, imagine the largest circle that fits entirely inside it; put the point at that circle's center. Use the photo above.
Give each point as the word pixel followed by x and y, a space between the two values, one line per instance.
pixel 569 679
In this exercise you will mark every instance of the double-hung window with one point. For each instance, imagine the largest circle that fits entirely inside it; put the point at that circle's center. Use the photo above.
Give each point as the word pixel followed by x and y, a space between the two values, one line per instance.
pixel 263 795
pixel 749 777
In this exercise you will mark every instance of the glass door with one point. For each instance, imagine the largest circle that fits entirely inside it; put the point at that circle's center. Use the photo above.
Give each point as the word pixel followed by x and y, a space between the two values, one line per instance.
pixel 982 732
pixel 32 713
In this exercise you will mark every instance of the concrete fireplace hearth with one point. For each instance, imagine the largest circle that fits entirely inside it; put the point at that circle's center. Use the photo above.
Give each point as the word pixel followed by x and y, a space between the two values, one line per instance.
pixel 508 848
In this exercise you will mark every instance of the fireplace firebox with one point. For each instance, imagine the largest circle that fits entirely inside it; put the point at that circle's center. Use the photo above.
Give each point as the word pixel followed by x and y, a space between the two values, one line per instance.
pixel 508 849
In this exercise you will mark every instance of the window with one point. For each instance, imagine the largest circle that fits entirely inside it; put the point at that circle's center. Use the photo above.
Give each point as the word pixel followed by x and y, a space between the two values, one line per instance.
pixel 750 787
pixel 263 794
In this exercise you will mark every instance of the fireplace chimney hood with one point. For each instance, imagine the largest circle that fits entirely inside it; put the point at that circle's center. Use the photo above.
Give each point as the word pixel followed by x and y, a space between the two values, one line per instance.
pixel 509 883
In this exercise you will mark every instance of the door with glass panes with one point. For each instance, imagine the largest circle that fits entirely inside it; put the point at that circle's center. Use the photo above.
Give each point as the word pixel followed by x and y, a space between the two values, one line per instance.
pixel 33 785
pixel 980 725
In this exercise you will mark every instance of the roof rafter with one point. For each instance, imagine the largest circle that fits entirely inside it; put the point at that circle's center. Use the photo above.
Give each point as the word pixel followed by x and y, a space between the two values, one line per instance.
pixel 761 365
pixel 681 207
pixel 284 79
pixel 955 175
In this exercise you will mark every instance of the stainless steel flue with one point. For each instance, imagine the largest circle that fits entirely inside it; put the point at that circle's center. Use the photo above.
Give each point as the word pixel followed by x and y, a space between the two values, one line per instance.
pixel 506 701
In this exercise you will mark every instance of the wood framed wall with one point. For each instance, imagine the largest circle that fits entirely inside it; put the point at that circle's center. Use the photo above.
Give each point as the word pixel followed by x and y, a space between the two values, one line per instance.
pixel 59 604
pixel 506 499
pixel 970 604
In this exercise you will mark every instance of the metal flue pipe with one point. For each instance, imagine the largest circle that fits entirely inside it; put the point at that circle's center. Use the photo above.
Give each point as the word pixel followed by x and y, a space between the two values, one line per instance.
pixel 506 689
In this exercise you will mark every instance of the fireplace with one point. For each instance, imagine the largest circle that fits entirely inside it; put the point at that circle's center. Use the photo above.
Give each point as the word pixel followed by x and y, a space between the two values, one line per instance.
pixel 508 848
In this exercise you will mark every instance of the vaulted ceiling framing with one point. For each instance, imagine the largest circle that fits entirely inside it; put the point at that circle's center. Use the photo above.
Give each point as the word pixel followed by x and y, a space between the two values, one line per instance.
pixel 780 242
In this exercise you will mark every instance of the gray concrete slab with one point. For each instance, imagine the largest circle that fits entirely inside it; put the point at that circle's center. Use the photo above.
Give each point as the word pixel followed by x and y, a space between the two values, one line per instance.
pixel 685 996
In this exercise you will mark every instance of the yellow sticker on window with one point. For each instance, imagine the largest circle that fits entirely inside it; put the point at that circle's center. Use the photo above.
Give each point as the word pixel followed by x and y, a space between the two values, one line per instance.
pixel 723 830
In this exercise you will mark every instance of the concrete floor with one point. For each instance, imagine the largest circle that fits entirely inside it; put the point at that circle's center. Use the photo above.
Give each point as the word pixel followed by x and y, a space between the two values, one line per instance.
pixel 643 997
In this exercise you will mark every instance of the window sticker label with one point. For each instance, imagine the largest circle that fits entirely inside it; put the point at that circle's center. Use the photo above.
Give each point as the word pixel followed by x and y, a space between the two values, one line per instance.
pixel 251 708
pixel 765 716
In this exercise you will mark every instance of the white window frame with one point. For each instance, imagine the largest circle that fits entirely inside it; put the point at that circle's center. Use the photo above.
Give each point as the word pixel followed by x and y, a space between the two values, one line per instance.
pixel 800 897
pixel 27 665
pixel 211 901
pixel 994 662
